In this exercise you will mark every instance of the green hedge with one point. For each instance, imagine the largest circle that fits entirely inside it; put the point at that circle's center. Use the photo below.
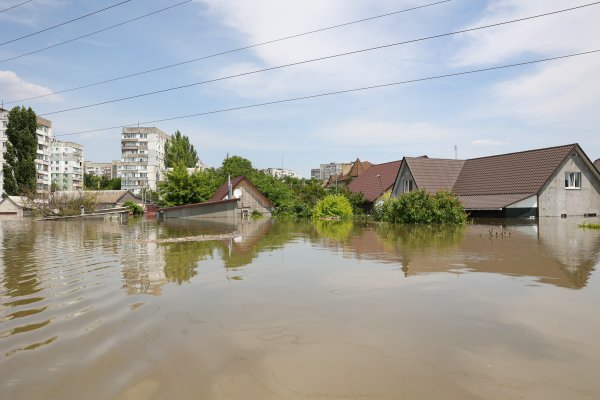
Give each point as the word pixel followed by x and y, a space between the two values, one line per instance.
pixel 420 207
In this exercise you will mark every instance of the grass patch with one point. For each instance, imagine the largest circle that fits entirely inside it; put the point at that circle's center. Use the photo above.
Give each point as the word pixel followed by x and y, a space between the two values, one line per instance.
pixel 589 226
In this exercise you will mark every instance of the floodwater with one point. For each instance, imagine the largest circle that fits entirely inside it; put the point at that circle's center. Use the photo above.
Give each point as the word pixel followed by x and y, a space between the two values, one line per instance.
pixel 287 310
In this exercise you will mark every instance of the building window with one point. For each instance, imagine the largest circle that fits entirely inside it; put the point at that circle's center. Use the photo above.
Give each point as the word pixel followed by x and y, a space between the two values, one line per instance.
pixel 573 180
pixel 407 185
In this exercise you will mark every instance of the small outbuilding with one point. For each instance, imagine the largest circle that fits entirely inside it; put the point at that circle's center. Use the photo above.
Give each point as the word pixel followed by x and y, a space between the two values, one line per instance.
pixel 19 206
pixel 250 199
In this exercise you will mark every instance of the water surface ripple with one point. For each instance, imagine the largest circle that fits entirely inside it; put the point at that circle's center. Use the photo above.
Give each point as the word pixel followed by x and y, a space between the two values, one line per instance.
pixel 296 310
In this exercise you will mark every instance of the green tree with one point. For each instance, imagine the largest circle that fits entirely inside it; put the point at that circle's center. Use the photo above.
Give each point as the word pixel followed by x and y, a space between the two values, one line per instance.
pixel 92 182
pixel 236 166
pixel 180 187
pixel 179 149
pixel 21 150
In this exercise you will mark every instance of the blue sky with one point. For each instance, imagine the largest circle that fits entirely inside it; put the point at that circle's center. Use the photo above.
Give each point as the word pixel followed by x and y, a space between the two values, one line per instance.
pixel 489 113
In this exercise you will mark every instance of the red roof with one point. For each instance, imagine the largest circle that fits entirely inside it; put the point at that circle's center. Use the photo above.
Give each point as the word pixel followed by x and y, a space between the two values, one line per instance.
pixel 223 190
pixel 378 178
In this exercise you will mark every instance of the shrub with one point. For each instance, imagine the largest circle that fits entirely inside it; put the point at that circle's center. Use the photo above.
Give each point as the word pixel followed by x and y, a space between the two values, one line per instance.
pixel 256 214
pixel 136 209
pixel 420 207
pixel 333 205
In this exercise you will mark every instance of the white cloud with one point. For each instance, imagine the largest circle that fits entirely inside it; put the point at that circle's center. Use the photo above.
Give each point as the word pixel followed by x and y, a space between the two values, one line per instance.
pixel 15 88
pixel 489 142
pixel 264 20
pixel 556 92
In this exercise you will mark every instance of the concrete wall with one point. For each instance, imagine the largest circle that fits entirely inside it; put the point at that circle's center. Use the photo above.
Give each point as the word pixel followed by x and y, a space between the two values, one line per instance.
pixel 403 175
pixel 555 199
pixel 227 209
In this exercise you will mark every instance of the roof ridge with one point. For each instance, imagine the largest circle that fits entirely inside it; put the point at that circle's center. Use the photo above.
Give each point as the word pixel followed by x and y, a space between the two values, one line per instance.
pixel 388 162
pixel 525 151
pixel 438 159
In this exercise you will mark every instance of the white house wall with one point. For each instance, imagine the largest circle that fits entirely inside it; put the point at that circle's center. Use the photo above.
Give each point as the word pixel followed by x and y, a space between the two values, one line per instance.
pixel 530 202
pixel 402 175
pixel 555 200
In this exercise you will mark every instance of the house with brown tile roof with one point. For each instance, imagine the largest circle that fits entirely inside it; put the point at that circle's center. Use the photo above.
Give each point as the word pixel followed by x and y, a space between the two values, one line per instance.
pixel 555 181
pixel 343 180
pixel 376 180
pixel 249 197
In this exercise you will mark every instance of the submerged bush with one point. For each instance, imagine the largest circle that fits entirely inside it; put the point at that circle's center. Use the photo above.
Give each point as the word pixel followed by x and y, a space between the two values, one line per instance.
pixel 136 209
pixel 420 207
pixel 333 206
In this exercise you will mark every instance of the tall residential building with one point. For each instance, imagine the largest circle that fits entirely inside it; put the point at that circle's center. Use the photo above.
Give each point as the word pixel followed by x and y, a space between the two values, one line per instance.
pixel 67 165
pixel 315 173
pixel 44 137
pixel 110 170
pixel 142 157
pixel 42 162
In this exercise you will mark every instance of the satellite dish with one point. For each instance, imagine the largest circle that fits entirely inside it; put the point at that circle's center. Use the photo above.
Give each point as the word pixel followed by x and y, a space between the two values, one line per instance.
pixel 237 193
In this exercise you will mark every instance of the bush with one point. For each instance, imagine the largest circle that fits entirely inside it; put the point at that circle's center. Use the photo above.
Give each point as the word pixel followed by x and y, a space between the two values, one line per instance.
pixel 420 207
pixel 256 214
pixel 136 209
pixel 333 205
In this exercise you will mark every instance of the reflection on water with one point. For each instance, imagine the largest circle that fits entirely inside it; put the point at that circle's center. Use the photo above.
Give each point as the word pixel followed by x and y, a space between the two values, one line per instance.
pixel 106 310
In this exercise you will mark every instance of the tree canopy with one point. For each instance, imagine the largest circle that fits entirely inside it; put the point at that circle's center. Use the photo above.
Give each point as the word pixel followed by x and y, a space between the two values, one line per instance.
pixel 93 182
pixel 21 151
pixel 179 149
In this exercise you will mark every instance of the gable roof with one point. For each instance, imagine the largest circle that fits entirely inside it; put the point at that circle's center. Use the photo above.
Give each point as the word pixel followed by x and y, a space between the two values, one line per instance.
pixel 513 173
pixel 434 174
pixel 376 180
pixel 223 190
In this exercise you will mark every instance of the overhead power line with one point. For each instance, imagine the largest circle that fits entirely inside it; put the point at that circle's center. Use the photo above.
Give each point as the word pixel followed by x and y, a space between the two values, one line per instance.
pixel 229 51
pixel 314 96
pixel 15 6
pixel 312 60
pixel 95 32
pixel 64 23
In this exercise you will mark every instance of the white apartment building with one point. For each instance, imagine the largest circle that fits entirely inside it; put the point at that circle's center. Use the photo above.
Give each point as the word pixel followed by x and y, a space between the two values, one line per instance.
pixel 44 137
pixel 142 157
pixel 281 172
pixel 66 165
pixel 327 170
pixel 109 170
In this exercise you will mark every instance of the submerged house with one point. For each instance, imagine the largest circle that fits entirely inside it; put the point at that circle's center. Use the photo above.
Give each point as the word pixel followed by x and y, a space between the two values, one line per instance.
pixel 105 198
pixel 550 182
pixel 19 206
pixel 238 198
pixel 376 181
pixel 250 199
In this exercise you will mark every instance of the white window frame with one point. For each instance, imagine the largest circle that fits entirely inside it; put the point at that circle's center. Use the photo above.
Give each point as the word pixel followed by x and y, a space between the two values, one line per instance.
pixel 573 180
pixel 407 184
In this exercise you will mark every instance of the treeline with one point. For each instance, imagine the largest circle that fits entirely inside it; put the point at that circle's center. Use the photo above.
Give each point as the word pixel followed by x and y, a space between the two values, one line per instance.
pixel 290 196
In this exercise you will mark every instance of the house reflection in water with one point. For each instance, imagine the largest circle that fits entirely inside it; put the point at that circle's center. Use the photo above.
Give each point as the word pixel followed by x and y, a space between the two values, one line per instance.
pixel 555 251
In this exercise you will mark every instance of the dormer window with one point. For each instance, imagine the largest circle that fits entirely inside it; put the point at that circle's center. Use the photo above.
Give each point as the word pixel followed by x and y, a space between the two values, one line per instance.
pixel 572 180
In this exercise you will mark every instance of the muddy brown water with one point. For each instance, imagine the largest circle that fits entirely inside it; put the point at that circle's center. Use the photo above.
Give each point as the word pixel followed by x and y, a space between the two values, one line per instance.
pixel 298 310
